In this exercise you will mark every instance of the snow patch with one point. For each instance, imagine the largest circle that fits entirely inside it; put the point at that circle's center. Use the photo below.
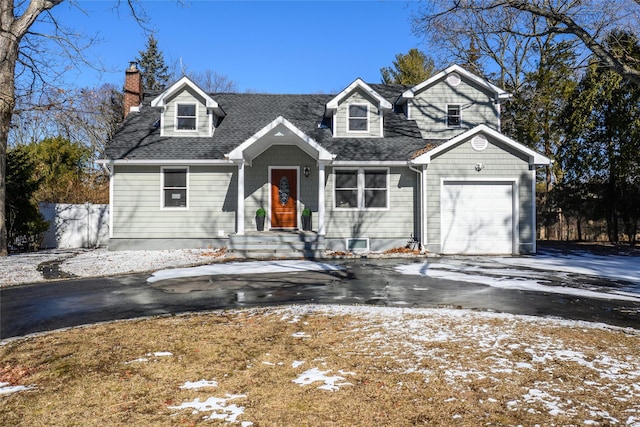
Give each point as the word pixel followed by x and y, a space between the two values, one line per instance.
pixel 252 267
pixel 218 407
pixel 195 385
pixel 6 388
pixel 331 383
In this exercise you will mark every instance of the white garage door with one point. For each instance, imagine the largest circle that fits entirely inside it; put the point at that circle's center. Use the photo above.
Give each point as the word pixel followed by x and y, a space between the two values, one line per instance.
pixel 477 217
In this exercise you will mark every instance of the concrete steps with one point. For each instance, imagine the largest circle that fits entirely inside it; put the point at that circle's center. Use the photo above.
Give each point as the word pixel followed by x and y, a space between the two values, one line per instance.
pixel 277 244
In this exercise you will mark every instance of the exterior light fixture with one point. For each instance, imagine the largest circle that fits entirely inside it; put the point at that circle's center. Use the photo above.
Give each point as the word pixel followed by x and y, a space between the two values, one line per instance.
pixel 306 171
pixel 479 167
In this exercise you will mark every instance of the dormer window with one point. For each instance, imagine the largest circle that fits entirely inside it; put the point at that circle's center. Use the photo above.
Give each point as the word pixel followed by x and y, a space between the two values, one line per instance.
pixel 186 116
pixel 453 116
pixel 358 118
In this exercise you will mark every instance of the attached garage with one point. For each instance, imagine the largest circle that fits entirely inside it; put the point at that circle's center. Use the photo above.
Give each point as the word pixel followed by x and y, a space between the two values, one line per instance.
pixel 478 217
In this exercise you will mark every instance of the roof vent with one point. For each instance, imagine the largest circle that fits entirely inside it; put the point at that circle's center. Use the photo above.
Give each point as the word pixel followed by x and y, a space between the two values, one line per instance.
pixel 453 79
pixel 479 143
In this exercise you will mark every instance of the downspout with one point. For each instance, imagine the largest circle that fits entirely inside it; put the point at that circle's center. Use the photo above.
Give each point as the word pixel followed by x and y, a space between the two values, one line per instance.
pixel 423 197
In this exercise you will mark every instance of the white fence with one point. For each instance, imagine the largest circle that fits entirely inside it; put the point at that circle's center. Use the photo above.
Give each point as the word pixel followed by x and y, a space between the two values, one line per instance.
pixel 75 226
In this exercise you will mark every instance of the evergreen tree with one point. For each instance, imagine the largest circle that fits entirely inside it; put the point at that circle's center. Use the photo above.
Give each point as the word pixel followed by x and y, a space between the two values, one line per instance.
pixel 410 69
pixel 60 167
pixel 531 117
pixel 603 151
pixel 25 224
pixel 154 71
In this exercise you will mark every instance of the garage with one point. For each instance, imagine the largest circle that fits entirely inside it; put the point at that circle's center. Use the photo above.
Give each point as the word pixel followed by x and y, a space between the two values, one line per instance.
pixel 477 217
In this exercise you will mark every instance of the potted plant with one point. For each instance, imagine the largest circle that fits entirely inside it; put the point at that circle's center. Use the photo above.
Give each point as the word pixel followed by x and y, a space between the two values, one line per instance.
pixel 306 219
pixel 260 215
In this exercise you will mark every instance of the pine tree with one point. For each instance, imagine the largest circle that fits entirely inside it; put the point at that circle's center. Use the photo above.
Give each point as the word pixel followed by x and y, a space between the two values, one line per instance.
pixel 603 149
pixel 531 116
pixel 25 224
pixel 410 69
pixel 154 71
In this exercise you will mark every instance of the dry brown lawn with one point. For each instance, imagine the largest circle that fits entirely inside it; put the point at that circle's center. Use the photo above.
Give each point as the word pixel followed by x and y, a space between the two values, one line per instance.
pixel 326 366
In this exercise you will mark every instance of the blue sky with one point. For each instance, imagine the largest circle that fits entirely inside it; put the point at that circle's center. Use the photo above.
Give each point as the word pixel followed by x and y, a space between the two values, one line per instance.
pixel 263 46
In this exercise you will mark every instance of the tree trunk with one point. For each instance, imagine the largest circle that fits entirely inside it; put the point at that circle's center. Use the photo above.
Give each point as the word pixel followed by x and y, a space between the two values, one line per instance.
pixel 12 30
pixel 9 54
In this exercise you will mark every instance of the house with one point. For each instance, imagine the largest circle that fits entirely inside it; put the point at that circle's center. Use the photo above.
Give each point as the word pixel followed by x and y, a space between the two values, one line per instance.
pixel 375 164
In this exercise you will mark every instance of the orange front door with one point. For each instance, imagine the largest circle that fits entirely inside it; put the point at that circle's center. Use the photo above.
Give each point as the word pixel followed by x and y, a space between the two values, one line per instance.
pixel 284 197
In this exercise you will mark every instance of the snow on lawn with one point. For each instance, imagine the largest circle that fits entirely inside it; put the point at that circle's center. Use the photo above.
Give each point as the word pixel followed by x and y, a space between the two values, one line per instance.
pixel 618 267
pixel 251 267
pixel 408 336
pixel 330 382
pixel 23 268
pixel 218 407
pixel 494 272
pixel 7 388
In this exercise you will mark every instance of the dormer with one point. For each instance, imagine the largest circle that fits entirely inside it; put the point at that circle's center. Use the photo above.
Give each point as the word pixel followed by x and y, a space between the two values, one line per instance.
pixel 187 110
pixel 357 112
pixel 452 102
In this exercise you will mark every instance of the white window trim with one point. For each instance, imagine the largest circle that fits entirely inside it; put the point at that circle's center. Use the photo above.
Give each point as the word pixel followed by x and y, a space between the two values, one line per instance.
pixel 361 189
pixel 446 118
pixel 175 121
pixel 162 188
pixel 349 248
pixel 368 117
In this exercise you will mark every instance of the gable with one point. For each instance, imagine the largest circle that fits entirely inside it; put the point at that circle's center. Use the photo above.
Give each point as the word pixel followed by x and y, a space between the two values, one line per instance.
pixel 357 111
pixel 451 102
pixel 186 110
pixel 454 75
pixel 477 141
pixel 358 116
pixel 181 102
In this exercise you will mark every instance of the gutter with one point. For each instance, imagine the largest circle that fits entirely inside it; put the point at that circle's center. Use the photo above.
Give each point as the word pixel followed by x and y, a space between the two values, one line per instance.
pixel 109 162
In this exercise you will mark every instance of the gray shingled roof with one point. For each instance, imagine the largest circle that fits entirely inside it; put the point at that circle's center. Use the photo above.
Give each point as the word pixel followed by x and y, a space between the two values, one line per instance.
pixel 139 137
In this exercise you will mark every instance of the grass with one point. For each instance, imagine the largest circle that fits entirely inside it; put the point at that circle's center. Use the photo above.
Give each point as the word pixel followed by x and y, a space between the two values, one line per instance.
pixel 404 367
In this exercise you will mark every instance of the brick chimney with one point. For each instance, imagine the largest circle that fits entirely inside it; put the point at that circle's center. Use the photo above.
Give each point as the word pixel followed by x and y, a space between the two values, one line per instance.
pixel 132 88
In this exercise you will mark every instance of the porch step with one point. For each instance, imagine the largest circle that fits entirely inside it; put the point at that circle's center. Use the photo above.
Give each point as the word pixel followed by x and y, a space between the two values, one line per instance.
pixel 277 244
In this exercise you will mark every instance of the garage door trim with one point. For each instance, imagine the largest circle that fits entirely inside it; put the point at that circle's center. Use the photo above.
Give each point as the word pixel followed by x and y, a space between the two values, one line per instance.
pixel 514 203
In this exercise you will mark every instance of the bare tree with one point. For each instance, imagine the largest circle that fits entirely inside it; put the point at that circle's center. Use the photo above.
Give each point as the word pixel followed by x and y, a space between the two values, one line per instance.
pixel 29 65
pixel 210 81
pixel 500 23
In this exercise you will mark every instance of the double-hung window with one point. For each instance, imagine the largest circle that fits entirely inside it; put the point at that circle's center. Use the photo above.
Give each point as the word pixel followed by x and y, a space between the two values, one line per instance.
pixel 186 116
pixel 358 118
pixel 453 116
pixel 174 187
pixel 361 188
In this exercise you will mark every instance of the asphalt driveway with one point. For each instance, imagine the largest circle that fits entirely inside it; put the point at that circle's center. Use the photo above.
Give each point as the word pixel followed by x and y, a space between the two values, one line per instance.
pixel 41 307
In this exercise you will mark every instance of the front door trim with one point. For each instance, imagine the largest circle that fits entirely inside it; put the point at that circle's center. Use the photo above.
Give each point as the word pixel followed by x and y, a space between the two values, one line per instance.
pixel 270 211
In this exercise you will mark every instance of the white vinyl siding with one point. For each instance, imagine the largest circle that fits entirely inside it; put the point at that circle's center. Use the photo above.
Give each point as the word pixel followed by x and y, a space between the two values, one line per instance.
pixel 361 188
